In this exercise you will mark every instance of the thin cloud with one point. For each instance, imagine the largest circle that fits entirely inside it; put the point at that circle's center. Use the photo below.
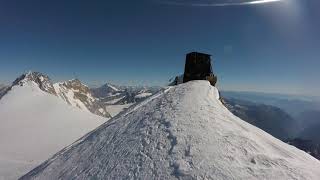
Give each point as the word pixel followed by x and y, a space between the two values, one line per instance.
pixel 213 3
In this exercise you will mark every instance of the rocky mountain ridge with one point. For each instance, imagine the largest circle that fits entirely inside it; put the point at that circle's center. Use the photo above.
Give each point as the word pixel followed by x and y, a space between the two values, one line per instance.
pixel 118 95
pixel 73 92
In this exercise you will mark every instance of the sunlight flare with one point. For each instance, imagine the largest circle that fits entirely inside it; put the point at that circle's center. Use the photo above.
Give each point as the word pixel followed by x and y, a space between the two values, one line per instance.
pixel 215 3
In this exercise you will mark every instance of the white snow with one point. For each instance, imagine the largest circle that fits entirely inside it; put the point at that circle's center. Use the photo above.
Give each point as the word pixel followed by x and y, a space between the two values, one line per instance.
pixel 182 133
pixel 34 125
pixel 112 87
pixel 101 110
pixel 41 78
pixel 143 95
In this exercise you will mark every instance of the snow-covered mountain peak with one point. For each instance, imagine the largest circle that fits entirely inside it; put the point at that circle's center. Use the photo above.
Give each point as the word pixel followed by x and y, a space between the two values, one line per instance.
pixel 182 132
pixel 42 81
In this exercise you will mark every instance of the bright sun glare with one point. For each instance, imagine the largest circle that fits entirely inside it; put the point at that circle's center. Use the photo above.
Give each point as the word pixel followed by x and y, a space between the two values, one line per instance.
pixel 262 1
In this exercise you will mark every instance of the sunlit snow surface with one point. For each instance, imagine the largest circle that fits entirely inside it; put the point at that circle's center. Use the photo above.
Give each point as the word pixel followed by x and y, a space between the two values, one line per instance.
pixel 34 125
pixel 182 132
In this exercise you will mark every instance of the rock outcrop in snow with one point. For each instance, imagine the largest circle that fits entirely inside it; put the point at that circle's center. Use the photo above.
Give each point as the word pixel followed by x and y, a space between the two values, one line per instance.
pixel 183 132
pixel 79 95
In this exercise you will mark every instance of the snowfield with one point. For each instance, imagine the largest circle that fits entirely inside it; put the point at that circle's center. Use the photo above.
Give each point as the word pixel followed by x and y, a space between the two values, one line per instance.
pixel 34 125
pixel 183 132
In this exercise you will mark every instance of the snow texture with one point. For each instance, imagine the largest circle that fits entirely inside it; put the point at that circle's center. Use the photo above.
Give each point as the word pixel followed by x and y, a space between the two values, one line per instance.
pixel 183 132
pixel 34 125
pixel 143 95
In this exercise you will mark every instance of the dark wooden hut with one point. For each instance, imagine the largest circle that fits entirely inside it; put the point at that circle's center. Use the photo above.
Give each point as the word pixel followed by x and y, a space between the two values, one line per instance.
pixel 198 67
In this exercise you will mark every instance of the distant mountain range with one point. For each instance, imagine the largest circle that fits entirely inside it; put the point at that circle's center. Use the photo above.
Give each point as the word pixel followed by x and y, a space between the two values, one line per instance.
pixel 310 122
pixel 111 94
pixel 118 98
pixel 291 117
pixel 269 118
pixel 106 101
pixel 292 104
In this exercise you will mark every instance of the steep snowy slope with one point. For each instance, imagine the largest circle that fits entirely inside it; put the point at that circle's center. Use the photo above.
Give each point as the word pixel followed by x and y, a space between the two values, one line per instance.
pixel 182 132
pixel 34 125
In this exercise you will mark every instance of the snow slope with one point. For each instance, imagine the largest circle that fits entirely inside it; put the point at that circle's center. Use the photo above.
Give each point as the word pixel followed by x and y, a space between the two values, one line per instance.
pixel 34 125
pixel 183 132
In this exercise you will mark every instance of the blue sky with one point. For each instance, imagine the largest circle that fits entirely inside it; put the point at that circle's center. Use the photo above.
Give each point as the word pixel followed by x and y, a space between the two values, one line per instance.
pixel 271 47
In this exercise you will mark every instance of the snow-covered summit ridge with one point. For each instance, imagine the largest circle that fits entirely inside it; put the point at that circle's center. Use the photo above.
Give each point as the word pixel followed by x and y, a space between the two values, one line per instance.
pixel 181 132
